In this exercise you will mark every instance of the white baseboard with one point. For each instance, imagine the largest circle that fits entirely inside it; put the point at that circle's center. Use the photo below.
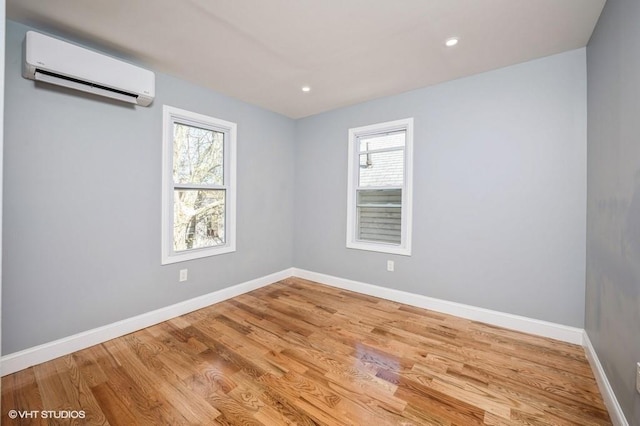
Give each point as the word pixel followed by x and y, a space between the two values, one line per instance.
pixel 610 400
pixel 501 319
pixel 48 351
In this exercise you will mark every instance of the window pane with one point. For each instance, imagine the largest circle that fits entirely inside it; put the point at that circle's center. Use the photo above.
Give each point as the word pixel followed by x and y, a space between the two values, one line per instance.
pixel 379 215
pixel 379 197
pixel 384 141
pixel 197 155
pixel 382 169
pixel 379 224
pixel 198 219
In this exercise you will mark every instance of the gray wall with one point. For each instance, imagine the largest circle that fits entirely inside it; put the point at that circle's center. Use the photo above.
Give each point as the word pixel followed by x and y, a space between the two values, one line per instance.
pixel 2 49
pixel 499 200
pixel 612 316
pixel 82 205
pixel 499 191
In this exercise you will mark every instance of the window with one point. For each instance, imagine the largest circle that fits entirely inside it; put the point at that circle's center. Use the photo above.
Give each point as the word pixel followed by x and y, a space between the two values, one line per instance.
pixel 198 198
pixel 380 176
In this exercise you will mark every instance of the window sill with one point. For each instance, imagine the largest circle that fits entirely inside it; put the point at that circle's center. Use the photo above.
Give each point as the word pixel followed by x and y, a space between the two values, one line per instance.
pixel 379 247
pixel 196 254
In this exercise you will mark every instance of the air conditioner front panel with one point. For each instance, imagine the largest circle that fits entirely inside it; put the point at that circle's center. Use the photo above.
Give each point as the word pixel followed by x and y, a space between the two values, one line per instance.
pixel 68 60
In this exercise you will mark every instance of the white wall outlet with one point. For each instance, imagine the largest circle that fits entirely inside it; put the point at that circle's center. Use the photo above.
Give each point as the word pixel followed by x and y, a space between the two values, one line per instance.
pixel 184 274
pixel 390 265
pixel 638 377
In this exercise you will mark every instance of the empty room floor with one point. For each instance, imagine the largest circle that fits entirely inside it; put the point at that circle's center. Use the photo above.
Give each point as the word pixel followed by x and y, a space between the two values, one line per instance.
pixel 300 353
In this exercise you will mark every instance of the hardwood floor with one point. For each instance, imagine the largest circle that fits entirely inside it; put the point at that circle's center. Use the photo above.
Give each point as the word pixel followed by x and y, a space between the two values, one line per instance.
pixel 300 353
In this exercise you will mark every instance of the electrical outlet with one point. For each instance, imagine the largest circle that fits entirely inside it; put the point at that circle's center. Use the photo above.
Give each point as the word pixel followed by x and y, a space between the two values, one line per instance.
pixel 184 274
pixel 390 265
pixel 638 377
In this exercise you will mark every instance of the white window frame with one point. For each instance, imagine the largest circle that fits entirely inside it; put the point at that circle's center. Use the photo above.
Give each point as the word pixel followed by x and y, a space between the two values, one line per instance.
pixel 404 248
pixel 170 116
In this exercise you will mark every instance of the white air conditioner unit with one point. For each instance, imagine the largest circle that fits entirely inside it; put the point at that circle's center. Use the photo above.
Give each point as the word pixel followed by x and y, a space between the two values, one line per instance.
pixel 58 62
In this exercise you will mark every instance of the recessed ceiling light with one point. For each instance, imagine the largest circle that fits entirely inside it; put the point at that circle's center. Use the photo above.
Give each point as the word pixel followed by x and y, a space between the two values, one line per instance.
pixel 451 41
pixel 306 88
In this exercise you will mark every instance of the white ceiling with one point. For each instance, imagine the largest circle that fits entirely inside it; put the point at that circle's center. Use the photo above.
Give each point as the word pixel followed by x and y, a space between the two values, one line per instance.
pixel 347 51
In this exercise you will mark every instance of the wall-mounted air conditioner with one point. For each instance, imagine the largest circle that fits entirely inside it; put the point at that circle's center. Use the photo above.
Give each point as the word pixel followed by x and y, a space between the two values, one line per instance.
pixel 57 62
